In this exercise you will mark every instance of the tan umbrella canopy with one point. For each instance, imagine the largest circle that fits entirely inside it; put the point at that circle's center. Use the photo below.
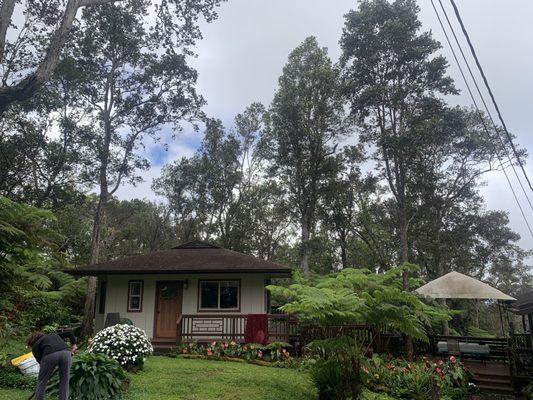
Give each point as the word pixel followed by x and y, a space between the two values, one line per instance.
pixel 455 285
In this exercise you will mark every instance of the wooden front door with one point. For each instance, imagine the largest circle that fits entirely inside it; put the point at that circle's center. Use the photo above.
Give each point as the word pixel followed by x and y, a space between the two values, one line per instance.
pixel 169 296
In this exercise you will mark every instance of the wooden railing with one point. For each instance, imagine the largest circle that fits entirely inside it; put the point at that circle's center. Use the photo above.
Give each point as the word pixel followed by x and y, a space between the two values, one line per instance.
pixel 231 327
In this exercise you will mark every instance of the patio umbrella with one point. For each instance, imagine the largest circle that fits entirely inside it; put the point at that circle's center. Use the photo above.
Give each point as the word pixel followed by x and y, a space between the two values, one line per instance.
pixel 455 285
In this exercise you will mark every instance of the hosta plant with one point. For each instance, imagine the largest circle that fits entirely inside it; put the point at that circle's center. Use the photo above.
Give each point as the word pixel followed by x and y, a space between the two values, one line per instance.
pixel 93 377
pixel 127 344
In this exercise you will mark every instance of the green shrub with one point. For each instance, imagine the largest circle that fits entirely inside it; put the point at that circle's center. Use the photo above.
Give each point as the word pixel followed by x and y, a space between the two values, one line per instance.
pixel 94 377
pixel 327 375
pixel 10 377
pixel 336 374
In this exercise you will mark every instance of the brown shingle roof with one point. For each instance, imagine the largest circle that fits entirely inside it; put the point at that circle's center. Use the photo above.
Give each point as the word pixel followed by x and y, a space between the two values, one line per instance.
pixel 193 257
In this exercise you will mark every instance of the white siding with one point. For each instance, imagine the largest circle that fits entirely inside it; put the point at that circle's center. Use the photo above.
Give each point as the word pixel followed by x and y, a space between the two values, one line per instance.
pixel 252 296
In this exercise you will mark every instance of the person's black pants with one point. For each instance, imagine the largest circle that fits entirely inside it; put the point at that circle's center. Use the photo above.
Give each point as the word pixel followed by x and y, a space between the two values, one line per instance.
pixel 62 360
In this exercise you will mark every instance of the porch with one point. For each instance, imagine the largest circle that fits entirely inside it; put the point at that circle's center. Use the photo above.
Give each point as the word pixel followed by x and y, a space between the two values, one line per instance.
pixel 232 327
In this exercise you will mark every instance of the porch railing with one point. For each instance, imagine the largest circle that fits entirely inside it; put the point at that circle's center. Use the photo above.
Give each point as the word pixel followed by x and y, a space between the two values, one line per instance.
pixel 231 327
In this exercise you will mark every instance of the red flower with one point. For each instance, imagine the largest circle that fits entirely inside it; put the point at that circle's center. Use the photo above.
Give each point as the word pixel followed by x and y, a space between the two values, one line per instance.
pixel 453 359
pixel 244 348
pixel 184 351
pixel 260 354
pixel 391 366
pixel 209 352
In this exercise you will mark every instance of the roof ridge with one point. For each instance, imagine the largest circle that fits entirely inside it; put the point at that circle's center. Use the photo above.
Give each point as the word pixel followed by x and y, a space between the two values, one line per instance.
pixel 196 244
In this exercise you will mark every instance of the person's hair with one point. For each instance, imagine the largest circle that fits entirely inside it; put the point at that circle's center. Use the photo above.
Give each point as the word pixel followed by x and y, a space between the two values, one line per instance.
pixel 33 338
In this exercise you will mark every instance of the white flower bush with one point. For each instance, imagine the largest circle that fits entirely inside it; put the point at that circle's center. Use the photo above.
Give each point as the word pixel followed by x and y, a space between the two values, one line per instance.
pixel 125 343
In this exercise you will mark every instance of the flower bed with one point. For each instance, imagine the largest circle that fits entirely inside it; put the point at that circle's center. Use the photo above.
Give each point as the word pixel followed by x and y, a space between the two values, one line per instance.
pixel 273 352
pixel 424 379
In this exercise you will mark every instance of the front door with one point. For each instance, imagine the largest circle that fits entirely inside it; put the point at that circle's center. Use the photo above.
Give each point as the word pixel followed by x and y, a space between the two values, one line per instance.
pixel 167 309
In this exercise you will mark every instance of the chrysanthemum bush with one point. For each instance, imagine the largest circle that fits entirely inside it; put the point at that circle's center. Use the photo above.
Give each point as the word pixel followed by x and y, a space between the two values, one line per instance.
pixel 127 344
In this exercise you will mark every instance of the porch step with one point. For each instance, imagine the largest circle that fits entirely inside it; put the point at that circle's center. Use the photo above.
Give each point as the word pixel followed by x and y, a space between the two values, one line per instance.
pixel 492 378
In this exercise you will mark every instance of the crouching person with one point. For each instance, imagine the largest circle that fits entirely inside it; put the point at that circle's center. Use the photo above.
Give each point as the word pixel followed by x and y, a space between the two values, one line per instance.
pixel 51 352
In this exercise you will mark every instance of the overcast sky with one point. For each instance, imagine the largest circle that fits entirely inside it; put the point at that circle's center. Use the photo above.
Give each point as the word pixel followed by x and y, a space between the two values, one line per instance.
pixel 243 52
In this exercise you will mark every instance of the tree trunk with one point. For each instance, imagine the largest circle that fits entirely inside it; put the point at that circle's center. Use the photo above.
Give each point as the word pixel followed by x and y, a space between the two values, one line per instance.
pixel 305 250
pixel 404 244
pixel 445 324
pixel 404 258
pixel 98 226
pixel 90 297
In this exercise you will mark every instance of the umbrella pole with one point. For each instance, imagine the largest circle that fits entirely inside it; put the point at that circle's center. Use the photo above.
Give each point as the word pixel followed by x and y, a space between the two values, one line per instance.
pixel 501 318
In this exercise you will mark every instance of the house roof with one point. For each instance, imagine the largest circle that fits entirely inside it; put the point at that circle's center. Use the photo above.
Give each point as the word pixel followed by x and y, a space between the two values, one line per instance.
pixel 455 285
pixel 524 304
pixel 189 258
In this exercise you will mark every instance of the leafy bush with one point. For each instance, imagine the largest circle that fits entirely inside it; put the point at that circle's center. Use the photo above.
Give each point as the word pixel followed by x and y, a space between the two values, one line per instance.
pixel 125 343
pixel 276 351
pixel 422 380
pixel 336 373
pixel 360 295
pixel 94 377
pixel 327 375
pixel 10 377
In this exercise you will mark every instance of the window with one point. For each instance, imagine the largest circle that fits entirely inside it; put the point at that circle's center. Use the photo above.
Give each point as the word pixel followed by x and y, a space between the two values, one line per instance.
pixel 219 295
pixel 101 297
pixel 135 296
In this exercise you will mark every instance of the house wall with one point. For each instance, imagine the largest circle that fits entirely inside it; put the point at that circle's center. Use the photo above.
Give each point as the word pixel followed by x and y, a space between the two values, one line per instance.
pixel 252 300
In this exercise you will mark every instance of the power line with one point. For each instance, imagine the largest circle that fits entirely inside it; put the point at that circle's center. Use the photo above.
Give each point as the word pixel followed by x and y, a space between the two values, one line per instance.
pixel 458 15
pixel 496 130
pixel 479 113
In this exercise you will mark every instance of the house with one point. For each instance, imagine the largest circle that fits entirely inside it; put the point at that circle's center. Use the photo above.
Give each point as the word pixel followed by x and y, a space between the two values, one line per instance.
pixel 193 292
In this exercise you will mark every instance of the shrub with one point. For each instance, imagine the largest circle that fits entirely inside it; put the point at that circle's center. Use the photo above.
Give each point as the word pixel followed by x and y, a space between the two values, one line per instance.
pixel 94 377
pixel 336 374
pixel 125 343
pixel 10 377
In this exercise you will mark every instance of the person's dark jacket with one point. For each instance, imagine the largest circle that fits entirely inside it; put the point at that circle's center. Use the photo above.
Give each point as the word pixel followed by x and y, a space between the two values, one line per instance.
pixel 51 343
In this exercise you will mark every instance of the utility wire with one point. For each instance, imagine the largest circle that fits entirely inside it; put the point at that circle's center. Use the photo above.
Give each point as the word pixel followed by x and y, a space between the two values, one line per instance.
pixel 458 15
pixel 479 113
pixel 496 130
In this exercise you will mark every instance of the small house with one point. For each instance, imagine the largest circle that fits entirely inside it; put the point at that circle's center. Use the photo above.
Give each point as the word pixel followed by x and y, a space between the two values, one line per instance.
pixel 193 292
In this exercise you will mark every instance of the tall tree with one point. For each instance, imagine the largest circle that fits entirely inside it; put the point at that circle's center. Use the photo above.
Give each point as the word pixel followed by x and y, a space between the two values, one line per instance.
pixel 43 146
pixel 30 53
pixel 306 121
pixel 137 82
pixel 391 76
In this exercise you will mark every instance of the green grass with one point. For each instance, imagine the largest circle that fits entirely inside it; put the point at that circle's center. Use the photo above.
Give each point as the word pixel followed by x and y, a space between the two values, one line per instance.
pixel 14 394
pixel 165 378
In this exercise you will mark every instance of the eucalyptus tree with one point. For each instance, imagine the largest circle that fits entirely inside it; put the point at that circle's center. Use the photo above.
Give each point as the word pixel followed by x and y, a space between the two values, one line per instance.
pixel 31 51
pixel 306 123
pixel 137 82
pixel 392 76
pixel 220 194
pixel 43 145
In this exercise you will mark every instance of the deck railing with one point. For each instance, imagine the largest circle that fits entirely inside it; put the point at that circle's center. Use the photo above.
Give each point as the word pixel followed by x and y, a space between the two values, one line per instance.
pixel 231 327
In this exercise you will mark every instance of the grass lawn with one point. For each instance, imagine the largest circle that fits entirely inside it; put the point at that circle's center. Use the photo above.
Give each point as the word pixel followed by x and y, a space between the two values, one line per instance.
pixel 165 378
pixel 14 394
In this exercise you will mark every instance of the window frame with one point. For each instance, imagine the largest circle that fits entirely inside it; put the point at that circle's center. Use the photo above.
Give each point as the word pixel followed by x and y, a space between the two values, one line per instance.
pixel 218 309
pixel 140 296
